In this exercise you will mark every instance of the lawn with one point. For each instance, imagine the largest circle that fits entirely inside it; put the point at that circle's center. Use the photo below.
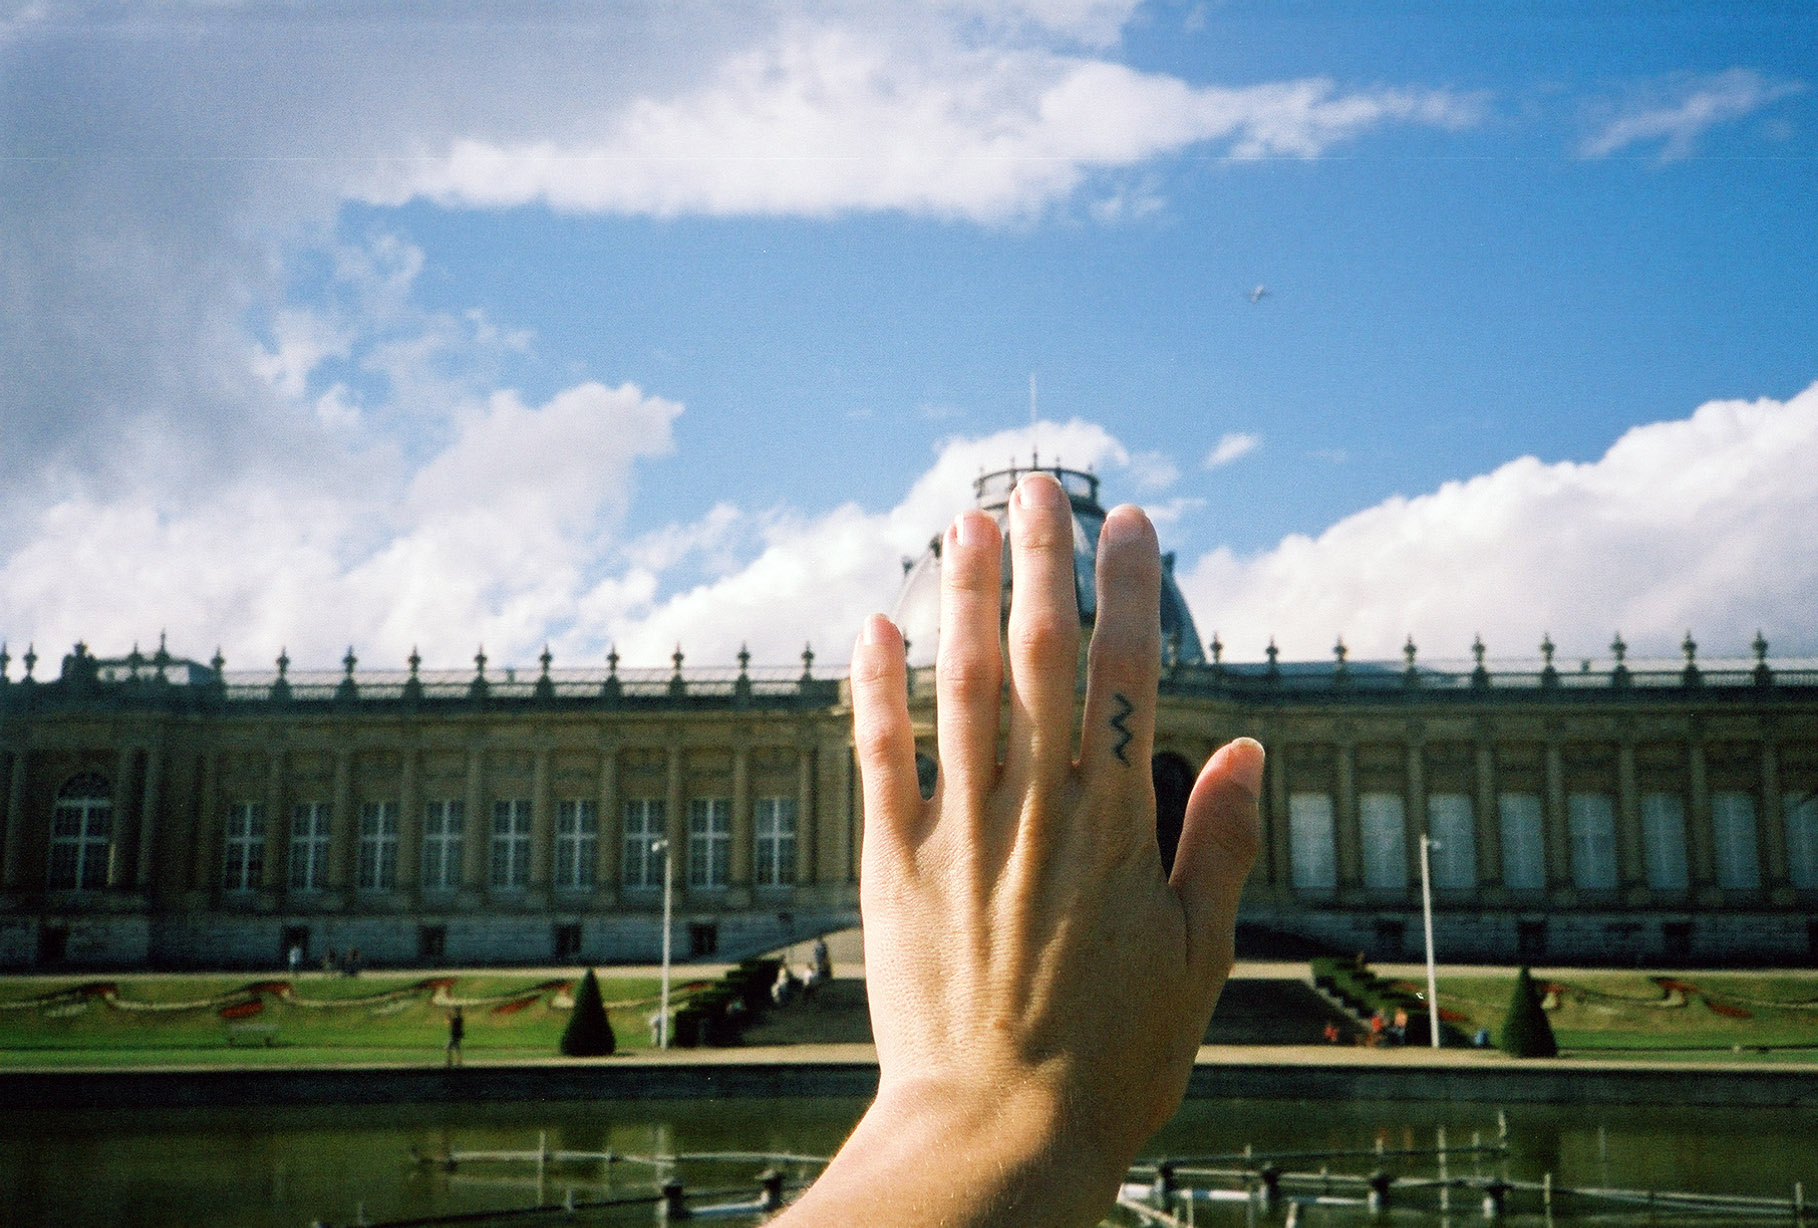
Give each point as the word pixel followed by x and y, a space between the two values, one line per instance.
pixel 1695 1014
pixel 308 1019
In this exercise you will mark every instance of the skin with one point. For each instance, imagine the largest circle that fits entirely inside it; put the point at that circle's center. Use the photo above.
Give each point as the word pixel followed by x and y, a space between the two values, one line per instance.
pixel 1038 986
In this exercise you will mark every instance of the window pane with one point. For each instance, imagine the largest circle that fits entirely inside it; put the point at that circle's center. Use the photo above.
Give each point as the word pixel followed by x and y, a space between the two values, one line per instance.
pixel 1383 823
pixel 1733 817
pixel 1592 817
pixel 1523 860
pixel 1312 856
pixel 1663 840
pixel 1453 826
pixel 1801 810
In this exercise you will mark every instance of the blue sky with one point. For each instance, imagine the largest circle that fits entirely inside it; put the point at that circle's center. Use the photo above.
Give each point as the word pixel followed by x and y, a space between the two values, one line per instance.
pixel 427 326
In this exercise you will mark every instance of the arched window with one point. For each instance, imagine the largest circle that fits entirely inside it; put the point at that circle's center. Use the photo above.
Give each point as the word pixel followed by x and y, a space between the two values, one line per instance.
pixel 81 825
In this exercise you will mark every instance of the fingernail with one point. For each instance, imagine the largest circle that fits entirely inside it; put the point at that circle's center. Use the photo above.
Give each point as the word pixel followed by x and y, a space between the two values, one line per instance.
pixel 1245 758
pixel 875 631
pixel 1040 490
pixel 1125 524
pixel 972 528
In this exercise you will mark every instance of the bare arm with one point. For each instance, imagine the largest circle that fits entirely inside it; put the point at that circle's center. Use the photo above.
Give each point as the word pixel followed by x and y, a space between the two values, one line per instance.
pixel 1038 987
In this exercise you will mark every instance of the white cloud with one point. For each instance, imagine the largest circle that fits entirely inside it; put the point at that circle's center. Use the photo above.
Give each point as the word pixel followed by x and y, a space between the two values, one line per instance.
pixel 1704 523
pixel 1231 446
pixel 1689 110
pixel 827 120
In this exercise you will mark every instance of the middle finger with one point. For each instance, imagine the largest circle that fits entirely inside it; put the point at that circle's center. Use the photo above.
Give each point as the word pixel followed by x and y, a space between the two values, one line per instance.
pixel 1043 638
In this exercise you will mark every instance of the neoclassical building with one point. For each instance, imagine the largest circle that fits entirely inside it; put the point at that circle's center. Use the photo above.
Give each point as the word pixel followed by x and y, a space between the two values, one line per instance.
pixel 163 812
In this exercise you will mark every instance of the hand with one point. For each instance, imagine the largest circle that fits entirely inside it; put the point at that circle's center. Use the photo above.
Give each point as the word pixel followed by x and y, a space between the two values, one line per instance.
pixel 1038 987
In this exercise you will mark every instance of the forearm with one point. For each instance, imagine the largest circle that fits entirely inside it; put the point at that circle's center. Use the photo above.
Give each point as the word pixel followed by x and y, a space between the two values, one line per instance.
pixel 961 1156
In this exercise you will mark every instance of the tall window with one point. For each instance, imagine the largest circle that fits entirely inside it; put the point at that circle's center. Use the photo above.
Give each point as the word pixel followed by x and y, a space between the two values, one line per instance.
pixel 510 843
pixel 81 825
pixel 641 865
pixel 1524 866
pixel 1663 840
pixel 709 841
pixel 1592 818
pixel 775 831
pixel 577 836
pixel 1801 811
pixel 1312 857
pixel 243 851
pixel 378 860
pixel 309 846
pixel 1733 832
pixel 1382 820
pixel 444 823
pixel 1453 826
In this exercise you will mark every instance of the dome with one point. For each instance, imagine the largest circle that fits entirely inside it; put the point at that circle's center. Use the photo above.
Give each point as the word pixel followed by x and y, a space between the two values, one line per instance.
pixel 918 603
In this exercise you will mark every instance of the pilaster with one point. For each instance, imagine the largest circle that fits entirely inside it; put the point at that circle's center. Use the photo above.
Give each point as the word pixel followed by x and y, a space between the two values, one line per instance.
pixel 12 853
pixel 1347 834
pixel 542 824
pixel 1631 868
pixel 476 824
pixel 806 820
pixel 277 848
pixel 739 867
pixel 1489 829
pixel 611 846
pixel 119 873
pixel 410 823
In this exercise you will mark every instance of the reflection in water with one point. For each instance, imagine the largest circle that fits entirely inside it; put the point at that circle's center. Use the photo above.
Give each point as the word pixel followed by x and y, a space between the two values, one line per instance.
pixel 287 1168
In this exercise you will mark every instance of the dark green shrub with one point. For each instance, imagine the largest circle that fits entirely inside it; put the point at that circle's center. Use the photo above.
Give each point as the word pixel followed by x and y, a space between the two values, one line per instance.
pixel 589 1031
pixel 1525 1031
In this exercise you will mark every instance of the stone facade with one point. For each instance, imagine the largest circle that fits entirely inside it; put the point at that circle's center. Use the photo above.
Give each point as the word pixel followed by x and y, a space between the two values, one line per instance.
pixel 161 812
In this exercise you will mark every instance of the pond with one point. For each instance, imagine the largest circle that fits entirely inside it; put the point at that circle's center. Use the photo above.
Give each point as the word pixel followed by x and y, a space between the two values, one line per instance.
pixel 290 1168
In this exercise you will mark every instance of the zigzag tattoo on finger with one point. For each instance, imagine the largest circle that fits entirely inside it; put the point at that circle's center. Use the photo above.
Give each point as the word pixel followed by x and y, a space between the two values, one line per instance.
pixel 1124 709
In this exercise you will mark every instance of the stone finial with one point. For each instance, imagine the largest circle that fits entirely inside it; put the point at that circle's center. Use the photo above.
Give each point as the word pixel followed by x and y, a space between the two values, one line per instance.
pixel 1477 650
pixel 414 660
pixel 1272 652
pixel 612 660
pixel 1218 650
pixel 135 661
pixel 349 689
pixel 677 658
pixel 1764 674
pixel 349 661
pixel 1619 648
pixel 1409 652
pixel 808 663
pixel 1761 648
pixel 31 660
pixel 1619 676
pixel 217 661
pixel 1689 647
pixel 6 661
pixel 479 664
pixel 1480 674
pixel 546 658
pixel 744 660
pixel 1548 675
pixel 283 662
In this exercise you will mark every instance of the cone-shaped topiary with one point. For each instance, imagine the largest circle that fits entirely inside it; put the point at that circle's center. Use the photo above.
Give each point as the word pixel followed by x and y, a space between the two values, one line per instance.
pixel 1525 1031
pixel 589 1031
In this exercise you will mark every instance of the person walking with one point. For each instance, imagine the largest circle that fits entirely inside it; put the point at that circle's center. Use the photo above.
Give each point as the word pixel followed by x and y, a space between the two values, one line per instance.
pixel 457 1032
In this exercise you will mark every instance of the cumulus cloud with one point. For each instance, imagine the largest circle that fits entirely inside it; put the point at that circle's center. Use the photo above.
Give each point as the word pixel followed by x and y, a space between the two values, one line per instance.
pixel 1231 446
pixel 1678 117
pixel 1701 523
pixel 825 121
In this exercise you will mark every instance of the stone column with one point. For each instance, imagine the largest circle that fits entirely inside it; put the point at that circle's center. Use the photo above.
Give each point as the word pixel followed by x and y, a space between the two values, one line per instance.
pixel 1631 868
pixel 1772 831
pixel 410 824
pixel 476 823
pixel 277 848
pixel 838 820
pixel 542 822
pixel 150 800
pixel 205 866
pixel 1701 847
pixel 1489 827
pixel 1281 868
pixel 611 845
pixel 739 869
pixel 119 874
pixel 805 817
pixel 1346 832
pixel 675 817
pixel 1558 835
pixel 1416 806
pixel 13 850
pixel 343 837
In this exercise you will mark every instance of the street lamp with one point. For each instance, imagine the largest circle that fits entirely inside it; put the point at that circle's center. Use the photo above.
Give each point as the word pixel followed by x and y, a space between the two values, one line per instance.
pixel 662 846
pixel 1427 845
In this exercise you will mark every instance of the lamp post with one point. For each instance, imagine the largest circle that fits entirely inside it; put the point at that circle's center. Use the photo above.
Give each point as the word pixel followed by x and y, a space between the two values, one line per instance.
pixel 662 846
pixel 1427 845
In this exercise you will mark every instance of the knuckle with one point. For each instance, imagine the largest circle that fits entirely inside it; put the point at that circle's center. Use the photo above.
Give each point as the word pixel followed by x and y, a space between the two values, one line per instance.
pixel 1042 638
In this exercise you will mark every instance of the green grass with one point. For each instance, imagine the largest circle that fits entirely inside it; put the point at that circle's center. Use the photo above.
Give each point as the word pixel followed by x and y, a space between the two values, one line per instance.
pixel 1735 1014
pixel 327 1019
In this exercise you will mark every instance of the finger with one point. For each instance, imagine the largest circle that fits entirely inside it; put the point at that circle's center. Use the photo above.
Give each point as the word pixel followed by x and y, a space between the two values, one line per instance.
pixel 969 672
pixel 1043 637
pixel 1218 843
pixel 1124 664
pixel 883 739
